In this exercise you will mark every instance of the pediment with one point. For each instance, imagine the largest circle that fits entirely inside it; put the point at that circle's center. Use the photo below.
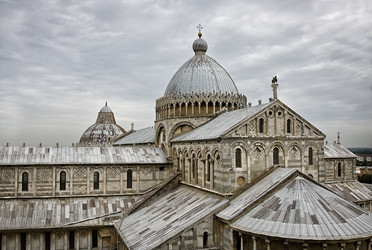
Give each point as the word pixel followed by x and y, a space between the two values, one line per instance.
pixel 275 120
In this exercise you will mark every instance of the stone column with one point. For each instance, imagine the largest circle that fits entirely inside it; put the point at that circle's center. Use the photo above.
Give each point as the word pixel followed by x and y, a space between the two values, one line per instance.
pixel 248 168
pixel 254 240
pixel 199 103
pixel 138 179
pixel 54 180
pixel 268 244
pixel 357 245
pixel 206 107
pixel 104 180
pixel 305 246
pixel 88 178
pixel 186 107
pixel 214 108
pixel 211 174
pixel 241 241
pixel 34 181
pixel 16 173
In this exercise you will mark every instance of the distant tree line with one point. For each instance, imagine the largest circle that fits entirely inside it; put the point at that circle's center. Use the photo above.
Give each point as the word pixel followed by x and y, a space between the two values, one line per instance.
pixel 361 150
pixel 366 178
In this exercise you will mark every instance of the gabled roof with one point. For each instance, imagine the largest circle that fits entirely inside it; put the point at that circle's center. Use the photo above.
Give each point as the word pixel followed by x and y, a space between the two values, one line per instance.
pixel 221 124
pixel 336 150
pixel 153 225
pixel 46 213
pixel 297 208
pixel 141 136
pixel 228 121
pixel 16 155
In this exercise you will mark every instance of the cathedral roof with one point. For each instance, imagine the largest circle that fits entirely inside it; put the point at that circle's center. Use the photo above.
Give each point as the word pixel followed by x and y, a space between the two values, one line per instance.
pixel 18 155
pixel 104 131
pixel 287 204
pixel 336 150
pixel 152 226
pixel 201 74
pixel 141 136
pixel 43 213
pixel 221 124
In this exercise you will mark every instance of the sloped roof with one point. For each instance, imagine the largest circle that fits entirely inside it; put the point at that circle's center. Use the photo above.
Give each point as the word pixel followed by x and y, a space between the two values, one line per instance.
pixel 141 136
pixel 300 208
pixel 221 124
pixel 16 155
pixel 174 212
pixel 241 202
pixel 351 190
pixel 336 150
pixel 59 212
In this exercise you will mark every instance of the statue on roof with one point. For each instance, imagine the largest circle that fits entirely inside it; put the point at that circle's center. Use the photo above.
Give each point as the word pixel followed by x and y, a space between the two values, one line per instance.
pixel 274 80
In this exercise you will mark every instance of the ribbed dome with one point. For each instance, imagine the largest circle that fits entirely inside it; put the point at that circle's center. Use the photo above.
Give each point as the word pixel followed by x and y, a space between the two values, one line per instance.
pixel 104 131
pixel 201 74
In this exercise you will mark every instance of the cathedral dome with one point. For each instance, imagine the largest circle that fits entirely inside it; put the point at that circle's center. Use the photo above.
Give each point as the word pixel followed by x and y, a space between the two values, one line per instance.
pixel 201 74
pixel 104 131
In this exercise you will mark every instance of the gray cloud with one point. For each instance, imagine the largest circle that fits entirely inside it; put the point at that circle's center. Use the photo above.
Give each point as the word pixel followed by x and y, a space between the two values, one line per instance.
pixel 61 60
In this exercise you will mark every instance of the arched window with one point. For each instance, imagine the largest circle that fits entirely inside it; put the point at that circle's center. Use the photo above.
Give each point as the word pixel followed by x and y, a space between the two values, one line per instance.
pixel 24 181
pixel 129 178
pixel 205 239
pixel 164 135
pixel 238 158
pixel 310 156
pixel 289 126
pixel 208 168
pixel 62 180
pixel 261 125
pixel 339 169
pixel 96 180
pixel 276 156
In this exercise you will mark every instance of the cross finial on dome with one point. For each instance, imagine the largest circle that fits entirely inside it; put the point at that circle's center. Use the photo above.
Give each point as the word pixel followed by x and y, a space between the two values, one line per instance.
pixel 199 27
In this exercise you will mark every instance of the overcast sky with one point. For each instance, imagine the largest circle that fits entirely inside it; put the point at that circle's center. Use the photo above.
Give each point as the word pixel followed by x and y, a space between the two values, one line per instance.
pixel 60 61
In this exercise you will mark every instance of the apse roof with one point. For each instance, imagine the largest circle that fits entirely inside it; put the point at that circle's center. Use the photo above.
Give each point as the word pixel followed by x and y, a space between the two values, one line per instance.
pixel 296 207
pixel 201 74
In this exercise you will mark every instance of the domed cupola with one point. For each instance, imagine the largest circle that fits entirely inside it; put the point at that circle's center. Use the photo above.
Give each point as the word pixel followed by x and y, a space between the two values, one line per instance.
pixel 104 131
pixel 199 89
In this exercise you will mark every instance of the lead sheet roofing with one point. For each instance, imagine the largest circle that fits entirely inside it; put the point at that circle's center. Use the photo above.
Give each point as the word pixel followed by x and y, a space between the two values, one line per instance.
pixel 302 209
pixel 221 124
pixel 59 212
pixel 174 212
pixel 336 150
pixel 141 136
pixel 351 190
pixel 17 155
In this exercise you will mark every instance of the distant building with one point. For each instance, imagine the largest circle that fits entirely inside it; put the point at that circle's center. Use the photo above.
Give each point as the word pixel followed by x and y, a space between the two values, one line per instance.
pixel 215 172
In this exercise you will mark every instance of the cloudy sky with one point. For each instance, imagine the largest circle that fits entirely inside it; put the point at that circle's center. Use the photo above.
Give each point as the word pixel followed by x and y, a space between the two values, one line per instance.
pixel 60 61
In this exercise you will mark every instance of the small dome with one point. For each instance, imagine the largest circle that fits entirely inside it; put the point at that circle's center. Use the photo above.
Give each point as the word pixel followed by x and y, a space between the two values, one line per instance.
pixel 104 132
pixel 200 45
pixel 106 109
